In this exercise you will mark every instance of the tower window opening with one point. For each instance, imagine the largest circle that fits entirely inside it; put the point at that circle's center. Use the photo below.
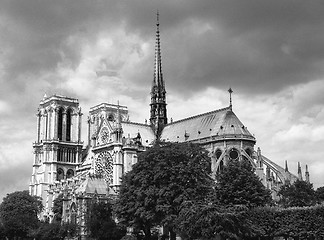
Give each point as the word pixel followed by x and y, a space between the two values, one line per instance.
pixel 60 124
pixel 60 174
pixel 59 155
pixel 69 173
pixel 68 125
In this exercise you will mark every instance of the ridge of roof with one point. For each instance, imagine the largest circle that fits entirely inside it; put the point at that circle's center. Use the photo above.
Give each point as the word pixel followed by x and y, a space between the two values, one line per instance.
pixel 135 123
pixel 199 115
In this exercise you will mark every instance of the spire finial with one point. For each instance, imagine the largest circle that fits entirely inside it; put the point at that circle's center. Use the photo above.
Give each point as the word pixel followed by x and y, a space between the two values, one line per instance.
pixel 299 172
pixel 230 92
pixel 118 116
pixel 307 174
pixel 286 168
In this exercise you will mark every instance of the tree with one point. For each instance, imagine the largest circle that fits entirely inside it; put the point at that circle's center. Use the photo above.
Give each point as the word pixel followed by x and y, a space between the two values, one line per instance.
pixel 58 208
pixel 54 231
pixel 202 220
pixel 165 176
pixel 320 194
pixel 299 194
pixel 18 213
pixel 237 184
pixel 100 222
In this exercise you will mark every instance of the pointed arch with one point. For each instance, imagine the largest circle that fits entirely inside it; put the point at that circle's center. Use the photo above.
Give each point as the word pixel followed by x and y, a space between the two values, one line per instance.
pixel 73 211
pixel 218 153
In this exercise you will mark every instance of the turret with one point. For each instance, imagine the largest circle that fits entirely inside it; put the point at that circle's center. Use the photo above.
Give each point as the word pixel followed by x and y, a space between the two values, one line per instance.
pixel 118 129
pixel 300 176
pixel 286 166
pixel 307 174
pixel 259 169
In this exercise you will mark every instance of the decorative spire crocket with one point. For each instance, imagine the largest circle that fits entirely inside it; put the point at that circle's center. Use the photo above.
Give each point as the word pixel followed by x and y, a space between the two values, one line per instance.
pixel 158 116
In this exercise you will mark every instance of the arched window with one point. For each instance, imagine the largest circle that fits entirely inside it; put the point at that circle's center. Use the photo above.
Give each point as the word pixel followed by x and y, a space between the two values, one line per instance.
pixel 68 125
pixel 249 152
pixel 218 153
pixel 60 174
pixel 60 124
pixel 69 173
pixel 221 165
pixel 73 212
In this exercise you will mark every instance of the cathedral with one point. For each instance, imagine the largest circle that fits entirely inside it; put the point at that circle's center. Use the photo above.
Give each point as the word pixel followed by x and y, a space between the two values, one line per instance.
pixel 65 164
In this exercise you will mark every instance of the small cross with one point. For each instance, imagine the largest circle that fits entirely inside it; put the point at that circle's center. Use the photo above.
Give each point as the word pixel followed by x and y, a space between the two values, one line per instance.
pixel 230 92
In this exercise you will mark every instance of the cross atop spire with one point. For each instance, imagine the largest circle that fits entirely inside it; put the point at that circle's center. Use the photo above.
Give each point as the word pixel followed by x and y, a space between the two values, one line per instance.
pixel 230 92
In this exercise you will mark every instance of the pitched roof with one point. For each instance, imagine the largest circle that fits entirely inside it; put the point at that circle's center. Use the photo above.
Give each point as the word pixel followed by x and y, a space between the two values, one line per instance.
pixel 133 129
pixel 93 185
pixel 219 124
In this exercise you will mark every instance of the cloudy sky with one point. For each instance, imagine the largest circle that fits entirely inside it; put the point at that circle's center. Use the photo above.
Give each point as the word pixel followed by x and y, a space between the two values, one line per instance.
pixel 270 52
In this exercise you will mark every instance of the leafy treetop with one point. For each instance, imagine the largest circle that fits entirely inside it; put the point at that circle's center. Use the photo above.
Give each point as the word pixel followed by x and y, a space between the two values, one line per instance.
pixel 165 176
pixel 298 194
pixel 237 184
pixel 18 213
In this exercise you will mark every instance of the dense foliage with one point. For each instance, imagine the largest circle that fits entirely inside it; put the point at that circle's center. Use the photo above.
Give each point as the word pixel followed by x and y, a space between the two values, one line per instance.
pixel 320 194
pixel 207 221
pixel 238 184
pixel 100 223
pixel 165 176
pixel 58 208
pixel 298 194
pixel 298 223
pixel 211 221
pixel 18 214
pixel 54 231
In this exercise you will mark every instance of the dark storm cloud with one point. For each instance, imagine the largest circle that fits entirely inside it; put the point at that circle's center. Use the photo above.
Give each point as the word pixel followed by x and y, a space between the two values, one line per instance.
pixel 259 46
pixel 254 45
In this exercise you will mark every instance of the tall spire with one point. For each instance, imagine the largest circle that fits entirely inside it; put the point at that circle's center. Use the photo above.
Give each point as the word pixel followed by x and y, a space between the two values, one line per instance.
pixel 158 116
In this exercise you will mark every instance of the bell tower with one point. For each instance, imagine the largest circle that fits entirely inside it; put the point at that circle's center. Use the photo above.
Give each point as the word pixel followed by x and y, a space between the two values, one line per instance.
pixel 57 149
pixel 158 117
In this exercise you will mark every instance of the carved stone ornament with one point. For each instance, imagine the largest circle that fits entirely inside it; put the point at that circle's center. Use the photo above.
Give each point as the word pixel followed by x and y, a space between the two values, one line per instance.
pixel 104 166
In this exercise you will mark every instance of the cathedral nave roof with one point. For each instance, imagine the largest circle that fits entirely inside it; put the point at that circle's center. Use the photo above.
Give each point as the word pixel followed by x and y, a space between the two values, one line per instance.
pixel 219 123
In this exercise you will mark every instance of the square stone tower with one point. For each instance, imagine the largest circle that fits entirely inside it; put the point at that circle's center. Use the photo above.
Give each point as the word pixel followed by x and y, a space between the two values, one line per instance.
pixel 57 149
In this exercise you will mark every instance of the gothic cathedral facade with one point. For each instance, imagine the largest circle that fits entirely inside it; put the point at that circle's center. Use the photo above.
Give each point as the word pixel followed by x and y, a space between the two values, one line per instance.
pixel 65 165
